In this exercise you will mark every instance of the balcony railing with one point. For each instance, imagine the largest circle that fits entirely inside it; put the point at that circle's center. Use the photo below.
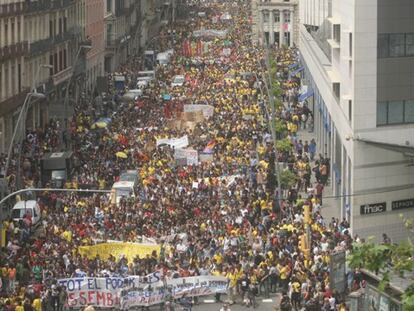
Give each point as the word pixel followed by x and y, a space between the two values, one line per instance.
pixel 11 9
pixel 14 50
pixel 44 5
pixel 47 44
pixel 62 76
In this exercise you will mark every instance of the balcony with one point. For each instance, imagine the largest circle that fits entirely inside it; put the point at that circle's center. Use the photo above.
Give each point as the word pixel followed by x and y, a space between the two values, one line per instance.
pixel 62 76
pixel 14 50
pixel 12 9
pixel 44 45
pixel 45 5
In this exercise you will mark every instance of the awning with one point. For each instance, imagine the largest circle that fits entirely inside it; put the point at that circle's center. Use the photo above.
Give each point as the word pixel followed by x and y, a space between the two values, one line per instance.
pixel 295 72
pixel 302 97
pixel 407 150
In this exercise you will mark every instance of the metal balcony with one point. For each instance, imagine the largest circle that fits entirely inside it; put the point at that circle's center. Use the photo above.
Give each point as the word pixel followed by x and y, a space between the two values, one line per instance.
pixel 62 76
pixel 14 50
pixel 12 9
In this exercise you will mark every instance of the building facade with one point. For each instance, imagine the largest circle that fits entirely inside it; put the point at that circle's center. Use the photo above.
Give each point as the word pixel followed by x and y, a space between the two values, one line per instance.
pixel 276 21
pixel 357 57
pixel 122 31
pixel 38 41
pixel 95 32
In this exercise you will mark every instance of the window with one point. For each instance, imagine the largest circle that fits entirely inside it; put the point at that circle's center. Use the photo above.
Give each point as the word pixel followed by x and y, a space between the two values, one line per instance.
pixel 383 44
pixel 409 111
pixel 286 16
pixel 350 44
pixel 6 37
pixel 336 89
pixel 19 77
pixel 397 45
pixel 51 64
pixel 350 110
pixel 65 24
pixel 337 32
pixel 50 28
pixel 65 62
pixel 18 32
pixel 60 25
pixel 409 44
pixel 395 112
pixel 60 60
pixel 12 33
pixel 265 16
pixel 276 16
pixel 382 112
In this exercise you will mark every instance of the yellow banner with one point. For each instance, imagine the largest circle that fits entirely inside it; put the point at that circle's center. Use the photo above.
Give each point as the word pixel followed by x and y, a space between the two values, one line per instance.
pixel 129 250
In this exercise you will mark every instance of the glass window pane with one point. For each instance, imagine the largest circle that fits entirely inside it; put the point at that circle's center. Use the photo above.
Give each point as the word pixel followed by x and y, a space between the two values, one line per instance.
pixel 409 44
pixel 409 111
pixel 395 112
pixel 397 44
pixel 382 113
pixel 383 44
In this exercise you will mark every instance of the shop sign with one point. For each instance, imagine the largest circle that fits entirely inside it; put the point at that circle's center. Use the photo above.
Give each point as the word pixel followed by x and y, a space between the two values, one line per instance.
pixel 401 204
pixel 374 208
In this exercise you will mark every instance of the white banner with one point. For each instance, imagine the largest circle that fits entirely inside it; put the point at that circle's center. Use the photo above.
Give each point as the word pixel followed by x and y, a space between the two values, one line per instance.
pixel 190 155
pixel 176 143
pixel 174 288
pixel 207 110
pixel 116 292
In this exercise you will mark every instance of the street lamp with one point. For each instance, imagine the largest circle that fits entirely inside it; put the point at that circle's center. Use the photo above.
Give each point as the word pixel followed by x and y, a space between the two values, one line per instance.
pixel 22 118
pixel 21 128
pixel 65 100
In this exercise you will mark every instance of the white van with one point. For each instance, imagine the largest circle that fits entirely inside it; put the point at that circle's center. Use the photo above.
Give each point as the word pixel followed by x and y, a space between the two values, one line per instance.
pixel 124 189
pixel 165 57
pixel 23 208
pixel 133 94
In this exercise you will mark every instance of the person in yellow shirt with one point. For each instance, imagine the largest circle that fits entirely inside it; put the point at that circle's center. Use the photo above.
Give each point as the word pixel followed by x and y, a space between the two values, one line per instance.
pixel 37 304
pixel 232 277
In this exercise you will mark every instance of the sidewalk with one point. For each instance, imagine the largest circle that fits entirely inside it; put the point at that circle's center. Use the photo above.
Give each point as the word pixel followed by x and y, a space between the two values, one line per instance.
pixel 331 206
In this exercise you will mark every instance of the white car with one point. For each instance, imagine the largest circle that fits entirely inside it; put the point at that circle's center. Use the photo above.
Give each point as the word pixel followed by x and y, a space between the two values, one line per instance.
pixel 178 81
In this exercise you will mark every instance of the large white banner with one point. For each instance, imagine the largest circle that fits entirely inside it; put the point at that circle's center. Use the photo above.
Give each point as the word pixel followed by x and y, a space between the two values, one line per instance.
pixel 190 155
pixel 173 288
pixel 207 110
pixel 118 292
pixel 176 143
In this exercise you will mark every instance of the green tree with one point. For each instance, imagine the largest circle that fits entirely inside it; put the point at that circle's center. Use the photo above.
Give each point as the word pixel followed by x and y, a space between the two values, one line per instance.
pixel 388 259
pixel 287 179
pixel 283 145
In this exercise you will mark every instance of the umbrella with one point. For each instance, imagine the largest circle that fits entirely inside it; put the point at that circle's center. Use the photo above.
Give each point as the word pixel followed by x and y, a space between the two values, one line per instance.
pixel 121 155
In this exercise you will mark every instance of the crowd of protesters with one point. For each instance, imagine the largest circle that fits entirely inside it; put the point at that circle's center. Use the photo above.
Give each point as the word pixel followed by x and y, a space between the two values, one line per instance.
pixel 206 222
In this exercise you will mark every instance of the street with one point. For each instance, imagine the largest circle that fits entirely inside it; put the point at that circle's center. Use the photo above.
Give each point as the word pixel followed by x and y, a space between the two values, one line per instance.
pixel 209 187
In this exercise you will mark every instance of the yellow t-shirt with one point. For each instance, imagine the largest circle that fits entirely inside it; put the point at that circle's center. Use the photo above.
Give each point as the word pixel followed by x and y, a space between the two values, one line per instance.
pixel 37 304
pixel 19 308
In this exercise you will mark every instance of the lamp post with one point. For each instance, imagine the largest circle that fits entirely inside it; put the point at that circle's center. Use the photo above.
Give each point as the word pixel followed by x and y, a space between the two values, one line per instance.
pixel 65 100
pixel 22 118
pixel 20 129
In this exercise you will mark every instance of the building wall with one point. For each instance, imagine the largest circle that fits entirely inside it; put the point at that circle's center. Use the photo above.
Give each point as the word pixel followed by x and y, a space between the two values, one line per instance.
pixel 364 175
pixel 275 21
pixel 95 32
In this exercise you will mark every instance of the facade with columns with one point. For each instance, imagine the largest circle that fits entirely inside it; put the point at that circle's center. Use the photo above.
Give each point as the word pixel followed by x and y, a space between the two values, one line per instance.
pixel 276 21
pixel 38 42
